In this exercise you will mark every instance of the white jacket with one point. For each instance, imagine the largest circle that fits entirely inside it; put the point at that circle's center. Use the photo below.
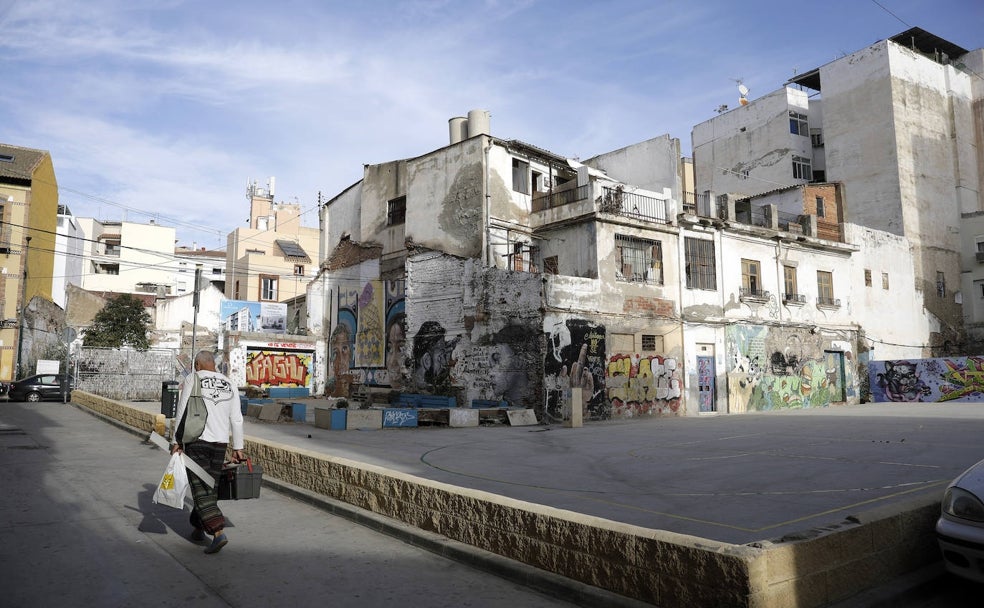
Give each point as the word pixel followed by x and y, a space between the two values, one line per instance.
pixel 225 415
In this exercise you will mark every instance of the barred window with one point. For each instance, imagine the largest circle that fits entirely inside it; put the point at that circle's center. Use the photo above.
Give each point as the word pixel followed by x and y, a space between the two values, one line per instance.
pixel 396 211
pixel 638 260
pixel 701 269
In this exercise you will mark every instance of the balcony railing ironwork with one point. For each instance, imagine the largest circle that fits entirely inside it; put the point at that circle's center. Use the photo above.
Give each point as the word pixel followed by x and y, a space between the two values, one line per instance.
pixel 750 293
pixel 562 195
pixel 825 301
pixel 630 204
pixel 697 203
pixel 794 298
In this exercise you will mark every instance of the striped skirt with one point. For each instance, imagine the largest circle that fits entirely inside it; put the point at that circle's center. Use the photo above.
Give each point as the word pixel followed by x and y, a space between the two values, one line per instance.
pixel 206 513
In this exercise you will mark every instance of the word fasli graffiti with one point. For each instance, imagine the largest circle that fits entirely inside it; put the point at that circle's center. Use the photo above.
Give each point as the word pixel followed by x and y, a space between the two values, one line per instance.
pixel 277 368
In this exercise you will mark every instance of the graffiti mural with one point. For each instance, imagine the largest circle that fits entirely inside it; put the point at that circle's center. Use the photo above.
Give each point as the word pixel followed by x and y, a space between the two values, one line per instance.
pixel 928 380
pixel 642 385
pixel 433 359
pixel 783 369
pixel 367 344
pixel 575 358
pixel 267 368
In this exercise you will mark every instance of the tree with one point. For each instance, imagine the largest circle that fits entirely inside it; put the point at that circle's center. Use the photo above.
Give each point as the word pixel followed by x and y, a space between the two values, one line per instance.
pixel 121 322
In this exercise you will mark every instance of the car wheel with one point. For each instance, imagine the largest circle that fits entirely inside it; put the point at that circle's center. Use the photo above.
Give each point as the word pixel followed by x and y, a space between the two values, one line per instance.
pixel 33 397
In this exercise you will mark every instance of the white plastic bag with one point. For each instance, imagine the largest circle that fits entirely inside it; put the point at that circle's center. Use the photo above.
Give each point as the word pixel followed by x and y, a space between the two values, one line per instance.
pixel 174 484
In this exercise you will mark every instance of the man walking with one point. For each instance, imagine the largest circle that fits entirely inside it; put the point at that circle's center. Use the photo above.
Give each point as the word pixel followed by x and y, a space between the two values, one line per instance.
pixel 208 451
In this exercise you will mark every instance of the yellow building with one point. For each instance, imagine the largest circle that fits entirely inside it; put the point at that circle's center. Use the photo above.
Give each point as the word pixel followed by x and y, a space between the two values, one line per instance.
pixel 275 258
pixel 29 216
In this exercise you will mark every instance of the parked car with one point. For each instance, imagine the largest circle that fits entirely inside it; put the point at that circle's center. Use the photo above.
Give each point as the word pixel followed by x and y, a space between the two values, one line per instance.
pixel 47 387
pixel 960 528
pixel 4 388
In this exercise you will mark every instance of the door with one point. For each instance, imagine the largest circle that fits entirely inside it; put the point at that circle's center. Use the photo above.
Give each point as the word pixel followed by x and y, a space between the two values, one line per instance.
pixel 836 375
pixel 705 384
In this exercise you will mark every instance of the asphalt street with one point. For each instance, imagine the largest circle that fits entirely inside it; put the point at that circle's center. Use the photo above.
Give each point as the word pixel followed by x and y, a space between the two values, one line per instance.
pixel 78 528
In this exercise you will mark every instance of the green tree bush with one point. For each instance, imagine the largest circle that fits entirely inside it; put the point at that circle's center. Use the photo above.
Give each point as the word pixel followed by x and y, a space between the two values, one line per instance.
pixel 121 322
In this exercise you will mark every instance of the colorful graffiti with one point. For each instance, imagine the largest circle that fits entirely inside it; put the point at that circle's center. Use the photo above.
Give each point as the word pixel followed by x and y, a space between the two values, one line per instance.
pixel 642 385
pixel 368 340
pixel 277 368
pixel 784 369
pixel 575 358
pixel 927 380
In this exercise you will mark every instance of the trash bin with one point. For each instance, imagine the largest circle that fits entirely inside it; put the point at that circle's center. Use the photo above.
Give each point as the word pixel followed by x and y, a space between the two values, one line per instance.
pixel 169 398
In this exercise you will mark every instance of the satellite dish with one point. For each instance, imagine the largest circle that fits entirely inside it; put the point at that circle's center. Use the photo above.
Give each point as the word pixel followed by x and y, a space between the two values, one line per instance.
pixel 742 89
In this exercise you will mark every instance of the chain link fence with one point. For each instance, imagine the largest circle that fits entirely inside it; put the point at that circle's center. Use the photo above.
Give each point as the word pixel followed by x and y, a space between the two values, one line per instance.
pixel 125 374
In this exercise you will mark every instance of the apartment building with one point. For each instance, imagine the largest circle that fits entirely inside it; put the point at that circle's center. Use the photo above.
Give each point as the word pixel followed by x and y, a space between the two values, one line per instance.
pixel 128 257
pixel 28 219
pixel 69 253
pixel 274 258
pixel 897 126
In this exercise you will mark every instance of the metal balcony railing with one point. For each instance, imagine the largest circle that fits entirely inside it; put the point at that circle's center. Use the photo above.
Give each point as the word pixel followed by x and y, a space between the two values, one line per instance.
pixel 560 196
pixel 825 301
pixel 629 204
pixel 697 203
pixel 753 293
pixel 794 298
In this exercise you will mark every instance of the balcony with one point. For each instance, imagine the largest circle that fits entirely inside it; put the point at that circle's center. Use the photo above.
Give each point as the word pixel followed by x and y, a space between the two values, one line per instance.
pixel 697 203
pixel 823 301
pixel 637 206
pixel 751 294
pixel 564 194
pixel 793 299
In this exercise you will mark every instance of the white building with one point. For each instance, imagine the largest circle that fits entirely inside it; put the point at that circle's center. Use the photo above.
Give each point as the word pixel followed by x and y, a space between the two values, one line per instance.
pixel 69 248
pixel 898 126
pixel 127 257
pixel 213 265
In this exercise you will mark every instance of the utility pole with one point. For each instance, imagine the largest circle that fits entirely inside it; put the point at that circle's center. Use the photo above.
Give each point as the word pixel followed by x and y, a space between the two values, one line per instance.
pixel 194 302
pixel 23 312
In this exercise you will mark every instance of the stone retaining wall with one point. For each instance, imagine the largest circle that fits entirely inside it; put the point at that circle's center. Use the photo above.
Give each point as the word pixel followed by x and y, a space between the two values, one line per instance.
pixel 817 568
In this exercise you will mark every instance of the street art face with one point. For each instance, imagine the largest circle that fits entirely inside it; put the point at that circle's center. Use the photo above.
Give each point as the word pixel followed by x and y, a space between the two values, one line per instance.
pixel 277 368
pixel 433 358
pixel 395 341
pixel 341 350
pixel 373 314
pixel 369 339
pixel 640 385
pixel 900 382
pixel 576 359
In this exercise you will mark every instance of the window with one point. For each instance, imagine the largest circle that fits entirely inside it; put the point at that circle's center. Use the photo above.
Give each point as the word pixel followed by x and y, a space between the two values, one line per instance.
pixel 517 257
pixel 652 343
pixel 216 270
pixel 884 280
pixel 816 138
pixel 821 209
pixel 825 288
pixel 396 211
pixel 751 280
pixel 802 168
pixel 798 124
pixel 701 270
pixel 789 280
pixel 6 158
pixel 940 284
pixel 113 248
pixel 638 260
pixel 106 268
pixel 550 265
pixel 268 288
pixel 235 292
pixel 521 176
pixel 621 343
pixel 298 270
pixel 867 278
pixel 980 244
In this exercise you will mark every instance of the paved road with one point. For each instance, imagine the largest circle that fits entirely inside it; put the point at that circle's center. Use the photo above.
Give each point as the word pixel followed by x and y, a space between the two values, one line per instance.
pixel 78 528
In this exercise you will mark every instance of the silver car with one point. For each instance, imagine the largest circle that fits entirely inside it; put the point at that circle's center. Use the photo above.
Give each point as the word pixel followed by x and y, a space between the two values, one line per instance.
pixel 960 528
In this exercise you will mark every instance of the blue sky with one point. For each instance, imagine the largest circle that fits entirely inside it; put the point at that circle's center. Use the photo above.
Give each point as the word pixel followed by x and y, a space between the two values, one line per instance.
pixel 163 110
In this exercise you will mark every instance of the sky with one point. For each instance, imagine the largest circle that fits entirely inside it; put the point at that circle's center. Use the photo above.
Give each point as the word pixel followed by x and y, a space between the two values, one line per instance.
pixel 165 110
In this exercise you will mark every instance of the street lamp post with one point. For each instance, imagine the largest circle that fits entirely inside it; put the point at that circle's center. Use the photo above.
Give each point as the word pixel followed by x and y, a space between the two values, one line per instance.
pixel 194 303
pixel 23 311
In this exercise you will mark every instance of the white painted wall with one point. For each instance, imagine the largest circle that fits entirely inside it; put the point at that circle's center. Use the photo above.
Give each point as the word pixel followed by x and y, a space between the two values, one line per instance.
pixel 69 248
